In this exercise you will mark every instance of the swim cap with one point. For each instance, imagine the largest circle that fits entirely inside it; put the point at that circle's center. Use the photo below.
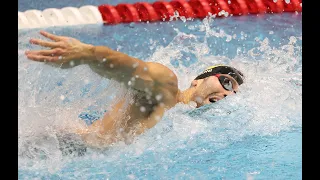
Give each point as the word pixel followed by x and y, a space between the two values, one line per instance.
pixel 222 69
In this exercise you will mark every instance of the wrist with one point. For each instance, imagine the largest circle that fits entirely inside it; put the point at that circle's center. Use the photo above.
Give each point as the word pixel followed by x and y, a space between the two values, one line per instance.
pixel 88 52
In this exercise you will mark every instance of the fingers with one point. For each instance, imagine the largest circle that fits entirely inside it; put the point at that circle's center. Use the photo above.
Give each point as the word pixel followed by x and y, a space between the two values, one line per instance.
pixel 49 52
pixel 43 58
pixel 51 36
pixel 45 55
pixel 44 43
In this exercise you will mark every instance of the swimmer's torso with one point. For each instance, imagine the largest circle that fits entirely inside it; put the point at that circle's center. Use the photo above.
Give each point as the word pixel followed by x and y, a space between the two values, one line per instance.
pixel 148 100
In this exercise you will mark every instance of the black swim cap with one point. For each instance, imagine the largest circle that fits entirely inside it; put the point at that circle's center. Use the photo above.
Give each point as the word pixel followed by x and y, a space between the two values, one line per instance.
pixel 222 69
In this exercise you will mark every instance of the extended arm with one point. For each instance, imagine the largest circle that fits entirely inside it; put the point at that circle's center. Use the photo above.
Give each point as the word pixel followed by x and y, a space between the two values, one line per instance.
pixel 67 52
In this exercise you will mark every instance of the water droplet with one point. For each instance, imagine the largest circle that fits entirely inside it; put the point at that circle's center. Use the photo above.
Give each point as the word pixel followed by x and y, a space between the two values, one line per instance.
pixel 104 60
pixel 158 97
pixel 71 63
pixel 158 118
pixel 132 25
pixel 111 65
pixel 131 176
pixel 199 99
pixel 142 109
pixel 62 97
pixel 135 65
pixel 145 68
pixel 60 57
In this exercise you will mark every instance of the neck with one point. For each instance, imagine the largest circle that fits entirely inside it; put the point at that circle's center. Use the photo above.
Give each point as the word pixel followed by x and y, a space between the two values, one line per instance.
pixel 184 96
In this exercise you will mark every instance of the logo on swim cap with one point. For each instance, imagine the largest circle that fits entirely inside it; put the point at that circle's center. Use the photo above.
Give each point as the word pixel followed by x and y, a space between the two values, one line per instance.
pixel 222 69
pixel 212 67
pixel 209 69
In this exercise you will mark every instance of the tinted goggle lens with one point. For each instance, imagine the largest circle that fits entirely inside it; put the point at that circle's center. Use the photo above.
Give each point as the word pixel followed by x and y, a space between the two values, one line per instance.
pixel 226 83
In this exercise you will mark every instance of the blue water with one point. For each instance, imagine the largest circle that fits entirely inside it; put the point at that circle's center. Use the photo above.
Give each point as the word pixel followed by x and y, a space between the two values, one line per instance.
pixel 254 135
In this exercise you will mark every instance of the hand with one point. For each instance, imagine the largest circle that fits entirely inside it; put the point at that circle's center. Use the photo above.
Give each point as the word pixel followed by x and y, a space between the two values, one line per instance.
pixel 63 49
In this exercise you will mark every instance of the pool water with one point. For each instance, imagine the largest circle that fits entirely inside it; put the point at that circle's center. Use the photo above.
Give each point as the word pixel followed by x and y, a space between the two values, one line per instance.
pixel 256 134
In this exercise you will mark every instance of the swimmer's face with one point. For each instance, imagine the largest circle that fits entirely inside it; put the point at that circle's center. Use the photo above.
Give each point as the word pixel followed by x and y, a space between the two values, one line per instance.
pixel 210 89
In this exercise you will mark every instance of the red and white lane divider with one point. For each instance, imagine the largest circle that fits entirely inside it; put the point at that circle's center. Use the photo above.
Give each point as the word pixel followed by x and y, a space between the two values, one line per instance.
pixel 150 12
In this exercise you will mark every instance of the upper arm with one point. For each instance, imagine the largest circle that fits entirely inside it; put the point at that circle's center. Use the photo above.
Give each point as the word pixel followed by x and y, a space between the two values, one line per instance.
pixel 131 71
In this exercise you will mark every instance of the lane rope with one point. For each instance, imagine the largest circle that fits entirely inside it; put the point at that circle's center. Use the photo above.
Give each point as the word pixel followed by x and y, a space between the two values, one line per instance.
pixel 150 12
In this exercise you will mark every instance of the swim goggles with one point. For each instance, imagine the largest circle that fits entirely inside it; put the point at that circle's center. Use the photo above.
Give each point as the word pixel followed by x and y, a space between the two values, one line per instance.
pixel 225 82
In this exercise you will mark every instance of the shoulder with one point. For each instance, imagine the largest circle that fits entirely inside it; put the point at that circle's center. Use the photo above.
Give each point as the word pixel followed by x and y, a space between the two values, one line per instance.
pixel 164 78
pixel 161 73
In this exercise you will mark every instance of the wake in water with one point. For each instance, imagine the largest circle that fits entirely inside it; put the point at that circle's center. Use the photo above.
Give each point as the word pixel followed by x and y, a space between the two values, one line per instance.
pixel 268 102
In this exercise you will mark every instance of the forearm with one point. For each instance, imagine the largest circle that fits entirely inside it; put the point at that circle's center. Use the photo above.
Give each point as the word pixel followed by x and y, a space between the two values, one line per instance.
pixel 110 59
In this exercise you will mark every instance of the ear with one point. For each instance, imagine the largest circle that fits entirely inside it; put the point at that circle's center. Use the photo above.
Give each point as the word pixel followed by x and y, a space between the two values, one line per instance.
pixel 194 83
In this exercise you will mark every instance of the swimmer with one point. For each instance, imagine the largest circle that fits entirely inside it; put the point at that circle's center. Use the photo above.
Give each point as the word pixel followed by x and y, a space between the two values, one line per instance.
pixel 155 86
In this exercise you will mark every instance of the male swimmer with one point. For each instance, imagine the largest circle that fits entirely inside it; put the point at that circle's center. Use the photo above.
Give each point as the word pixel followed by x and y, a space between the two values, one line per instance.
pixel 155 86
